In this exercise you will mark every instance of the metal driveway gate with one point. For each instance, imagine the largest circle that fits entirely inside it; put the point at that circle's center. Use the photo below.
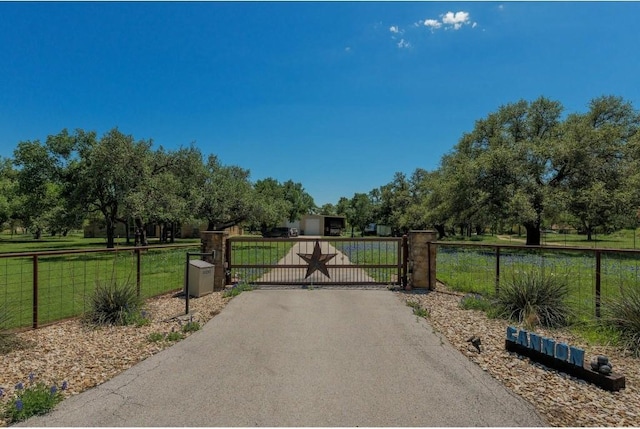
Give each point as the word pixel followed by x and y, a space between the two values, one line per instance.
pixel 316 261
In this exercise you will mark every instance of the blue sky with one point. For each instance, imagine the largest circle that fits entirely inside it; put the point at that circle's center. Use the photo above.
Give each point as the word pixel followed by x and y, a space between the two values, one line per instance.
pixel 338 96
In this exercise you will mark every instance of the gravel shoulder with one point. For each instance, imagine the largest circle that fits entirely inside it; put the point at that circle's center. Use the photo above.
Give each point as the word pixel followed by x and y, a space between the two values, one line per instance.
pixel 86 357
pixel 559 398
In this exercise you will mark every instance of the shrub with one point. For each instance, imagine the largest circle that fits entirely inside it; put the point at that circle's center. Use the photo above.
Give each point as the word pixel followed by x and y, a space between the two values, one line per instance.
pixel 190 327
pixel 114 304
pixel 623 314
pixel 174 336
pixel 533 298
pixel 36 398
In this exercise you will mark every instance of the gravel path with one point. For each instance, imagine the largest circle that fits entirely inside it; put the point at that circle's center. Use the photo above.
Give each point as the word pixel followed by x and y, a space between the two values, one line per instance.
pixel 88 357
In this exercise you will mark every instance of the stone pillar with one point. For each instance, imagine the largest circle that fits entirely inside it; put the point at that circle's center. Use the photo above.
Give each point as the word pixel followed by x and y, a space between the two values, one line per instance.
pixel 215 240
pixel 422 260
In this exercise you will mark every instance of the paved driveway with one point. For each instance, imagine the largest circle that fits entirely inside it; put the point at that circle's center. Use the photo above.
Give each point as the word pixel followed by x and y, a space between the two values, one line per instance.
pixel 302 358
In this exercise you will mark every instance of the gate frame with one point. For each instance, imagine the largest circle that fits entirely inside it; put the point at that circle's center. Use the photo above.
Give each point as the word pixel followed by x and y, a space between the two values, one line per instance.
pixel 401 265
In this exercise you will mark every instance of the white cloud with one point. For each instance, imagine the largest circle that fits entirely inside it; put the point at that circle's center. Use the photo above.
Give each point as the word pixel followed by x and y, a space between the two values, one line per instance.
pixel 456 20
pixel 403 44
pixel 432 23
pixel 447 21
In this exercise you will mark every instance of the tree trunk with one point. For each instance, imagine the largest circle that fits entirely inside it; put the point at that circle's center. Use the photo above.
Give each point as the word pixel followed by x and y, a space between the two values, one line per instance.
pixel 111 232
pixel 141 233
pixel 589 233
pixel 533 234
pixel 441 231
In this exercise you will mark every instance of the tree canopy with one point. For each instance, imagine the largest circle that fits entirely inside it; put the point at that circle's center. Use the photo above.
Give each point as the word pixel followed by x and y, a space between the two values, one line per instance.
pixel 530 164
pixel 57 185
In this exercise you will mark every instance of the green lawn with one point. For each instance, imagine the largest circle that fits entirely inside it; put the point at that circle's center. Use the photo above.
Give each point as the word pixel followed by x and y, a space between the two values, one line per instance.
pixel 74 240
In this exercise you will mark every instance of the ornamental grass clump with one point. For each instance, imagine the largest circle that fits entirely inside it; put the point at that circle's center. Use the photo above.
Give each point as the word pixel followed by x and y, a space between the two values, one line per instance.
pixel 33 399
pixel 622 313
pixel 533 298
pixel 114 303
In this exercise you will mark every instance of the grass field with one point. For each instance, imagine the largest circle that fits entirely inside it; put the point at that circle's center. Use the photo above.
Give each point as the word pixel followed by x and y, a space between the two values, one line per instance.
pixel 74 240
pixel 623 239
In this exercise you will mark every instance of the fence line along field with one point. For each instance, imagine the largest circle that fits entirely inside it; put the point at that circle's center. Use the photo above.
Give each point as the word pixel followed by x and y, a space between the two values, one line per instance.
pixel 42 287
pixel 594 276
pixel 61 282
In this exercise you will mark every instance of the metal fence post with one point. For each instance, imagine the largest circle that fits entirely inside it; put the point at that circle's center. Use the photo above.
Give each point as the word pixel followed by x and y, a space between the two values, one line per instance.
pixel 598 281
pixel 497 269
pixel 35 291
pixel 138 272
pixel 186 287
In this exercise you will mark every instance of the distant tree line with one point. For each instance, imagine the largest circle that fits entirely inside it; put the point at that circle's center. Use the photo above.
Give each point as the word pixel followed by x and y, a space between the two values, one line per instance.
pixel 525 164
pixel 57 185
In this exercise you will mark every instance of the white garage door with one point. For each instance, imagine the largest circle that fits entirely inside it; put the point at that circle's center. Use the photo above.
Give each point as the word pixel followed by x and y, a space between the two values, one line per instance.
pixel 312 227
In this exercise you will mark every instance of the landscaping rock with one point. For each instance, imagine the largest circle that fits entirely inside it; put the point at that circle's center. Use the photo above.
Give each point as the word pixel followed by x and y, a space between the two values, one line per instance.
pixel 561 399
pixel 88 356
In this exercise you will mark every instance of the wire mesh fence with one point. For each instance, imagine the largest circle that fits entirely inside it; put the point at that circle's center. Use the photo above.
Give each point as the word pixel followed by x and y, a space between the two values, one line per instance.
pixel 38 288
pixel 593 276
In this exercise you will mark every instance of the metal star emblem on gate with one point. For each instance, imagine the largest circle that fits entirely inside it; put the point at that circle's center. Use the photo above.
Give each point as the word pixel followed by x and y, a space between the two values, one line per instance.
pixel 317 261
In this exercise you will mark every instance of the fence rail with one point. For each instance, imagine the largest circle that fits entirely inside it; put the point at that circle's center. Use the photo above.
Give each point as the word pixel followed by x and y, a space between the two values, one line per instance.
pixel 39 288
pixel 593 275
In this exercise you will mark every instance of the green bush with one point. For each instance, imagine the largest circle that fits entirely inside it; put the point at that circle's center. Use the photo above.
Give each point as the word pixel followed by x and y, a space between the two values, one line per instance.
pixel 115 304
pixel 36 398
pixel 533 298
pixel 174 336
pixel 190 327
pixel 623 314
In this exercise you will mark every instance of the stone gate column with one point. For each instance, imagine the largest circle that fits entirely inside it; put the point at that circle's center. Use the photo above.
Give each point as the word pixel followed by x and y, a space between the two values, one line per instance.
pixel 215 240
pixel 422 260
